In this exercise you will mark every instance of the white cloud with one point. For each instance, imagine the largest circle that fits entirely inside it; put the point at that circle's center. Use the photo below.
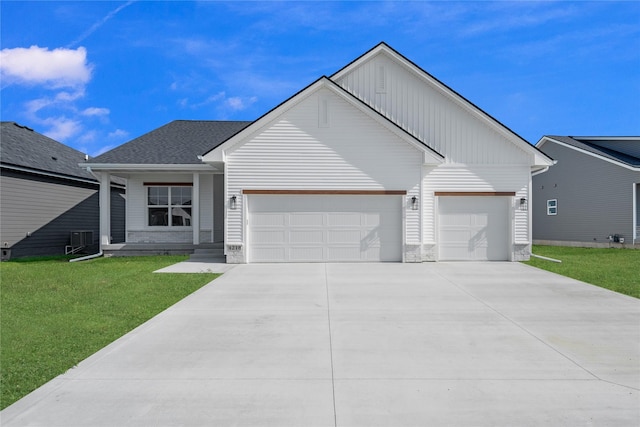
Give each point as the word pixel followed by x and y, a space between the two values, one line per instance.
pixel 236 103
pixel 40 66
pixel 119 134
pixel 61 128
pixel 95 111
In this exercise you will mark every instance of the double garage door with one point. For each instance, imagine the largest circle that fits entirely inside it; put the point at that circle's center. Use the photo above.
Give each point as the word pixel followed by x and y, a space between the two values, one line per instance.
pixel 325 228
pixel 473 228
pixel 356 228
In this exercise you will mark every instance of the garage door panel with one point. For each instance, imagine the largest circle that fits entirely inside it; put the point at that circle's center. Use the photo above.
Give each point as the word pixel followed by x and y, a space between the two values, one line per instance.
pixel 306 219
pixel 305 253
pixel 325 228
pixel 269 254
pixel 266 219
pixel 269 236
pixel 474 228
pixel 346 235
pixel 344 219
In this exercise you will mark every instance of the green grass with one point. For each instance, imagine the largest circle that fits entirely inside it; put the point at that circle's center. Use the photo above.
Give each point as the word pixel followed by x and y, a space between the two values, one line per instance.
pixel 614 269
pixel 54 313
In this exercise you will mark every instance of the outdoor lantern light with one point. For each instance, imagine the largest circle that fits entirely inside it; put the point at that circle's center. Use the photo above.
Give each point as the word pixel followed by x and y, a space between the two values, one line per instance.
pixel 414 203
pixel 232 202
pixel 523 204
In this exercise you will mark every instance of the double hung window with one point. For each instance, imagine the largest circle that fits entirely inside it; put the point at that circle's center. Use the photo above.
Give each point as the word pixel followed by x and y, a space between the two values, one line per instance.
pixel 552 207
pixel 169 206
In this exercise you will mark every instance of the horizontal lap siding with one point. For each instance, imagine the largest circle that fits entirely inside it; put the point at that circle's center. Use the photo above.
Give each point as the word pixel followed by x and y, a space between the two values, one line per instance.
pixel 475 179
pixel 353 152
pixel 595 198
pixel 47 208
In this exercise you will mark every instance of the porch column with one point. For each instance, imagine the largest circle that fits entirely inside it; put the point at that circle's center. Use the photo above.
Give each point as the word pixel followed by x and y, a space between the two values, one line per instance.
pixel 105 208
pixel 195 208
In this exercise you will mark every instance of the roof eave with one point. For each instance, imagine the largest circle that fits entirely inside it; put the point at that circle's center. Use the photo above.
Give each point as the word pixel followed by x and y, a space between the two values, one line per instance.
pixel 196 167
pixel 619 163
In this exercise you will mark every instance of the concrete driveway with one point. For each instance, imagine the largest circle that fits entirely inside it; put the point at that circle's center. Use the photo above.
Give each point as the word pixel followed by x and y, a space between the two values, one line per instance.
pixel 434 344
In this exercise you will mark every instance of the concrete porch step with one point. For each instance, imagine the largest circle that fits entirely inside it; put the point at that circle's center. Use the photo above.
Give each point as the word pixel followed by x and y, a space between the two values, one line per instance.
pixel 206 254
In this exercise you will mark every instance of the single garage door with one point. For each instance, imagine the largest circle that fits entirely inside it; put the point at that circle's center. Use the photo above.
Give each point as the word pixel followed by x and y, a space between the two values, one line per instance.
pixel 324 228
pixel 474 228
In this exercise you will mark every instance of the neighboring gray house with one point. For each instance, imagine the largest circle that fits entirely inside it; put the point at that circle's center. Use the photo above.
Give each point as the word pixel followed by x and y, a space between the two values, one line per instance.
pixel 46 195
pixel 379 162
pixel 592 196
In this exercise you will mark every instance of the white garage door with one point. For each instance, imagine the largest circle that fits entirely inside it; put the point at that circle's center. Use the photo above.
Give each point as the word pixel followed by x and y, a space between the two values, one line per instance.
pixel 324 228
pixel 474 228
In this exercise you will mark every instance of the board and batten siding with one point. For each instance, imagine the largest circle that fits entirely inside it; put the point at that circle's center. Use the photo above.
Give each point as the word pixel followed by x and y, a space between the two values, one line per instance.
pixel 341 149
pixel 457 132
pixel 137 229
pixel 595 198
pixel 47 208
pixel 476 178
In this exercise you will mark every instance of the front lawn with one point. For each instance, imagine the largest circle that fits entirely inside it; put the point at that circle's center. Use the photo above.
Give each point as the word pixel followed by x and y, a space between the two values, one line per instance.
pixel 614 269
pixel 54 313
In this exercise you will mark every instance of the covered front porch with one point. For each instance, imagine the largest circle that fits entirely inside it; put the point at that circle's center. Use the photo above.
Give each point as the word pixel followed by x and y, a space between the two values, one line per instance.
pixel 174 211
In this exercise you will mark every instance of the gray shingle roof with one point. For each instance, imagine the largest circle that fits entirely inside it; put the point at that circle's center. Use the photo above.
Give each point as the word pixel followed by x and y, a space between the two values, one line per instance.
pixel 23 147
pixel 177 142
pixel 591 145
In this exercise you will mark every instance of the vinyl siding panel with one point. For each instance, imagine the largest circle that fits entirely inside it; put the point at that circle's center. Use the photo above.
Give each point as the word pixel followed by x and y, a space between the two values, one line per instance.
pixel 422 109
pixel 48 208
pixel 476 179
pixel 595 198
pixel 352 151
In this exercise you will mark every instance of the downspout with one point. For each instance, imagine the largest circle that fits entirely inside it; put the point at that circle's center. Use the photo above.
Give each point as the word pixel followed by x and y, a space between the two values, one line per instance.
pixel 99 254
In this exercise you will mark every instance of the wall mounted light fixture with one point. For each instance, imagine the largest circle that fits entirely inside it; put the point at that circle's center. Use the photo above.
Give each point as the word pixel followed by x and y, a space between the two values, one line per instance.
pixel 233 200
pixel 414 203
pixel 523 204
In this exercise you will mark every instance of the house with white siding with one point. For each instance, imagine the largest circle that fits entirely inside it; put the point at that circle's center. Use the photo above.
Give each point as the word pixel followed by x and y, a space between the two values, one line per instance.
pixel 378 162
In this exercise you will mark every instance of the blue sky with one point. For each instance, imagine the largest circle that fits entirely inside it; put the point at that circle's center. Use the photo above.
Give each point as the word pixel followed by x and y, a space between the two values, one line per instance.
pixel 97 74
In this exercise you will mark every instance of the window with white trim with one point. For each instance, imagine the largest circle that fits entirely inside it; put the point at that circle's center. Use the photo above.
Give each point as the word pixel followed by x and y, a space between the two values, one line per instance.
pixel 169 206
pixel 552 207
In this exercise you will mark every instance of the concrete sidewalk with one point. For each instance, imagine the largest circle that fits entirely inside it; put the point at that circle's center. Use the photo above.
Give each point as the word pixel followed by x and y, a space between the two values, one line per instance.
pixel 456 344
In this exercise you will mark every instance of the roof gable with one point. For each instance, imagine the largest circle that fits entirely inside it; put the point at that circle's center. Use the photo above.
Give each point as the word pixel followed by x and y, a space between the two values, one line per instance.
pixel 617 150
pixel 29 150
pixel 218 153
pixel 369 70
pixel 179 142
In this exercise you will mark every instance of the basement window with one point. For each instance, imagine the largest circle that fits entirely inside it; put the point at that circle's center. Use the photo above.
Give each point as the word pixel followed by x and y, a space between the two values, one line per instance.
pixel 169 206
pixel 552 207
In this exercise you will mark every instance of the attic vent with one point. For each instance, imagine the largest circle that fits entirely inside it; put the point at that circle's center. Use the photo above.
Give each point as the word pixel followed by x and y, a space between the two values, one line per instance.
pixel 54 158
pixel 381 80
pixel 323 112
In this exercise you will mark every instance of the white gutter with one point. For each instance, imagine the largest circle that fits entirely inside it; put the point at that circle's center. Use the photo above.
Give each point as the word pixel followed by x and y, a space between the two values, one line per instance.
pixel 545 258
pixel 84 258
pixel 154 166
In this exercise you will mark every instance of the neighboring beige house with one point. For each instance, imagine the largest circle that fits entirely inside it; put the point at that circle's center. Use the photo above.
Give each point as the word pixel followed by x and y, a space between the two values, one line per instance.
pixel 379 162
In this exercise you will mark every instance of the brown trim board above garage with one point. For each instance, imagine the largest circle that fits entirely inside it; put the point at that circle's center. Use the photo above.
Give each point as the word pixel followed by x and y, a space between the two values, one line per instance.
pixel 330 192
pixel 475 193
